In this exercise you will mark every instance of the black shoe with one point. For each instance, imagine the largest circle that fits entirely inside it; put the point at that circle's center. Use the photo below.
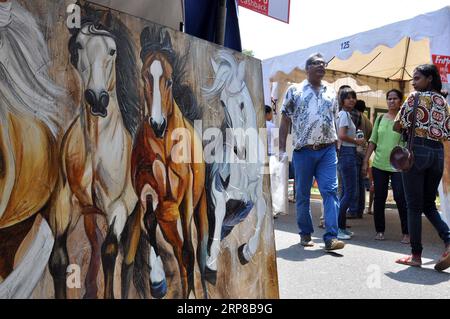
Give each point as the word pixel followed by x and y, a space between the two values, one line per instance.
pixel 305 241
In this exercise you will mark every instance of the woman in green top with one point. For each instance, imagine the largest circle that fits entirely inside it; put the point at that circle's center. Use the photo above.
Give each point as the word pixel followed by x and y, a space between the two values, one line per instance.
pixel 382 141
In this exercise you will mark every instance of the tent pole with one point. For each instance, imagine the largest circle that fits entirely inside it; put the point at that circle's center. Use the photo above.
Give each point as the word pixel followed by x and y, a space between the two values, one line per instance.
pixel 357 72
pixel 402 85
pixel 405 58
pixel 221 22
pixel 403 69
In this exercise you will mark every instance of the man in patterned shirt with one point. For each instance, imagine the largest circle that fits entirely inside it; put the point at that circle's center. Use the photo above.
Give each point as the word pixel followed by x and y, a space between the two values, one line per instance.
pixel 312 109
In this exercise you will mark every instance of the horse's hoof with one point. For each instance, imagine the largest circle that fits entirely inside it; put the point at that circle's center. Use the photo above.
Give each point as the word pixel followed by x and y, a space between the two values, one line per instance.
pixel 158 290
pixel 241 256
pixel 211 276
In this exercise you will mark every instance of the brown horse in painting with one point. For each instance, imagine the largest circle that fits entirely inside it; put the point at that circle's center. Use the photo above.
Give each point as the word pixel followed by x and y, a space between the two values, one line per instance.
pixel 29 156
pixel 30 132
pixel 169 184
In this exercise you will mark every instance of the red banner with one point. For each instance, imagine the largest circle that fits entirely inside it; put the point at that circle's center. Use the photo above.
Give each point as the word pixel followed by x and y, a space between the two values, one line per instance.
pixel 260 6
pixel 277 9
pixel 442 62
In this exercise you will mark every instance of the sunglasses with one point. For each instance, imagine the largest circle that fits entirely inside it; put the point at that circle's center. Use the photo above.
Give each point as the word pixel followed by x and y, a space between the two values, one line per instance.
pixel 319 62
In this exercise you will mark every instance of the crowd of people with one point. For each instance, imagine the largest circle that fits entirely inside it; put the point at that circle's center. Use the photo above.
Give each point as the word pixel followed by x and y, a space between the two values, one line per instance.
pixel 337 146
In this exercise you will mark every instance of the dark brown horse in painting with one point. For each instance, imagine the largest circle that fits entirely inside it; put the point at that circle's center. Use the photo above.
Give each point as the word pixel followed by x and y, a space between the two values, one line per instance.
pixel 167 166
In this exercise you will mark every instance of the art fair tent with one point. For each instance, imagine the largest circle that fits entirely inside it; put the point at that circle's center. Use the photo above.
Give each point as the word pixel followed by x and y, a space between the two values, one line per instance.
pixel 373 62
pixel 377 60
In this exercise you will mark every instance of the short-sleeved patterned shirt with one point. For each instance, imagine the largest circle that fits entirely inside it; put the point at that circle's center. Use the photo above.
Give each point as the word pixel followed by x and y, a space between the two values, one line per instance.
pixel 433 116
pixel 313 115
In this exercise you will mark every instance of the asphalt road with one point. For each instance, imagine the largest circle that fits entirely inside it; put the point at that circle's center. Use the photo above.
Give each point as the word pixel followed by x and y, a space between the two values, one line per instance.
pixel 365 268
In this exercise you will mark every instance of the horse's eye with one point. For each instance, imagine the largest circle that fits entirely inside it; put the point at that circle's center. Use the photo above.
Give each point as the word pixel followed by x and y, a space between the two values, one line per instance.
pixel 169 83
pixel 112 52
pixel 79 46
pixel 242 106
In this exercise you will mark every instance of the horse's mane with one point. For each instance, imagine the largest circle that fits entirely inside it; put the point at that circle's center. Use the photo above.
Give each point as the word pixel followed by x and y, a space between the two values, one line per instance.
pixel 226 76
pixel 154 39
pixel 127 75
pixel 26 88
pixel 225 68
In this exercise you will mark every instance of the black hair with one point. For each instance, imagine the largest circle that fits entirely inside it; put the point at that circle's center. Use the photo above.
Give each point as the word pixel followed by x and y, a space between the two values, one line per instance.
pixel 397 92
pixel 268 109
pixel 345 86
pixel 360 106
pixel 345 93
pixel 430 69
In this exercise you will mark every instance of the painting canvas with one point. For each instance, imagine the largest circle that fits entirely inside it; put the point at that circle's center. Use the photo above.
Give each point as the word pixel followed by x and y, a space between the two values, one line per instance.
pixel 131 160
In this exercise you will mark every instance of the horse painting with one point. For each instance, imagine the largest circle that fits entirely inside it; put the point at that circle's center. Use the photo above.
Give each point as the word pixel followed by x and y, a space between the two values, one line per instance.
pixel 171 191
pixel 96 150
pixel 235 185
pixel 30 132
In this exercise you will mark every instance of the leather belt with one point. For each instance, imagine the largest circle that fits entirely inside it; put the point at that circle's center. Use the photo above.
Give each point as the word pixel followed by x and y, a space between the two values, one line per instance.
pixel 316 147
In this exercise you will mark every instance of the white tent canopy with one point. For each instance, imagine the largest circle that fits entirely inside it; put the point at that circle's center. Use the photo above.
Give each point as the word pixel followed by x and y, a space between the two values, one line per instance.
pixel 389 53
pixel 377 60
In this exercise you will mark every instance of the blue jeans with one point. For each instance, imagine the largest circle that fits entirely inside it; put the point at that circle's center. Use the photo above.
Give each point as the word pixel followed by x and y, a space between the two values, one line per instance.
pixel 348 169
pixel 421 185
pixel 356 208
pixel 320 164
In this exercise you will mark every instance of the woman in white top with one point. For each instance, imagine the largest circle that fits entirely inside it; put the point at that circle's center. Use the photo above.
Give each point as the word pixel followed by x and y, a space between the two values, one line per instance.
pixel 347 159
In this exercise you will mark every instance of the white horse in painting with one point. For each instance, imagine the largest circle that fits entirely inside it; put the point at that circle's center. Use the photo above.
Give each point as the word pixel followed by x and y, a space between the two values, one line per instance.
pixel 236 187
pixel 97 152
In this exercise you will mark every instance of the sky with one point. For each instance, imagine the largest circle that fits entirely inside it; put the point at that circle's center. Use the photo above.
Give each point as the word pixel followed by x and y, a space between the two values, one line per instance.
pixel 316 22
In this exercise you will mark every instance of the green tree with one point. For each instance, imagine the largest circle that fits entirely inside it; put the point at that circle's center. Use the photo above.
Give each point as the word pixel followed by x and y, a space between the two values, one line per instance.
pixel 248 52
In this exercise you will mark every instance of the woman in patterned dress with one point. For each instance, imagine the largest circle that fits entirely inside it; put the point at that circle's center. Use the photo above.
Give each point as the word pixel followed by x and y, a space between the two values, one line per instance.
pixel 422 180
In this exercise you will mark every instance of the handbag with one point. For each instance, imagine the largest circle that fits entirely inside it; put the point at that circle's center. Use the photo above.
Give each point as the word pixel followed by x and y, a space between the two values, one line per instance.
pixel 402 158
